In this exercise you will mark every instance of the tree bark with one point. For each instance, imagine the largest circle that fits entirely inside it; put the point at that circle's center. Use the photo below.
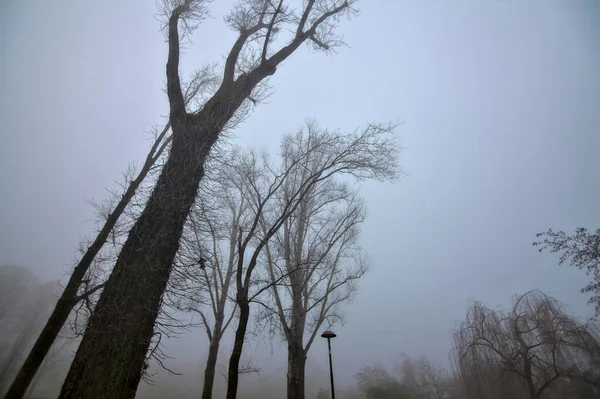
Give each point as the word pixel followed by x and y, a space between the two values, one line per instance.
pixel 238 346
pixel 296 369
pixel 121 328
pixel 68 299
pixel 295 339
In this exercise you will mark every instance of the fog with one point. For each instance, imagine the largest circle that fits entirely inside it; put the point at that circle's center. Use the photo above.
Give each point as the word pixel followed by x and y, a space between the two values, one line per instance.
pixel 500 126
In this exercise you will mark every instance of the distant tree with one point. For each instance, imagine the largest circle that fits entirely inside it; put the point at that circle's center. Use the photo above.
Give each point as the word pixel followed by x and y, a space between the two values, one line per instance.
pixel 425 378
pixel 15 282
pixel 277 192
pixel 54 367
pixel 314 260
pixel 24 303
pixel 526 352
pixel 376 383
pixel 581 250
pixel 120 331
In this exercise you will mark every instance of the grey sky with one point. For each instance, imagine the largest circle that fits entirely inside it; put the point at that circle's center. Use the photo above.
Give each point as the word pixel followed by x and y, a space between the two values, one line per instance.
pixel 501 108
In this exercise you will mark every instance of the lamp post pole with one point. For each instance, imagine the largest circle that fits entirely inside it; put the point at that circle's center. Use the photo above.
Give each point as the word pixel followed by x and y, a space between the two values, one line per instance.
pixel 330 334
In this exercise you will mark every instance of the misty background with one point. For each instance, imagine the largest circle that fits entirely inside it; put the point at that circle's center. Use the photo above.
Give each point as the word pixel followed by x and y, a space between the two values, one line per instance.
pixel 500 106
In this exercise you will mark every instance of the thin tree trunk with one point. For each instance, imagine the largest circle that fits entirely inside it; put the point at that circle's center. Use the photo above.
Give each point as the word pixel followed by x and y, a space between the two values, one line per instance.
pixel 120 330
pixel 238 346
pixel 68 299
pixel 55 322
pixel 215 338
pixel 209 371
pixel 211 362
pixel 296 369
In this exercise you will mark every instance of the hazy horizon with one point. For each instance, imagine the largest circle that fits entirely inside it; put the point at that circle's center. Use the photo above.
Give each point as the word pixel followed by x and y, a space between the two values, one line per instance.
pixel 499 103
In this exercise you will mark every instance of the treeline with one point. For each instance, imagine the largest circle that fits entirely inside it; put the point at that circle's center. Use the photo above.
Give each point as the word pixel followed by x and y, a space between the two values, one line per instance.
pixel 25 304
pixel 534 350
pixel 270 244
pixel 206 234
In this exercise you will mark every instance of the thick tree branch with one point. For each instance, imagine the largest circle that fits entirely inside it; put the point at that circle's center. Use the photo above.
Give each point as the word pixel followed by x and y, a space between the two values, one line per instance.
pixel 176 100
pixel 269 31
pixel 234 53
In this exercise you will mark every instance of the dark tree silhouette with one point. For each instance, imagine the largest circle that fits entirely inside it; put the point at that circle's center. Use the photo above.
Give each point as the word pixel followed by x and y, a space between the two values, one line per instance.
pixel 369 153
pixel 525 352
pixel 581 250
pixel 76 289
pixel 120 330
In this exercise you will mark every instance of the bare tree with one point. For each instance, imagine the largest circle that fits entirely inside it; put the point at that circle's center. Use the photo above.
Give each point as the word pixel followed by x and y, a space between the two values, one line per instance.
pixel 278 193
pixel 312 262
pixel 414 379
pixel 15 281
pixel 24 303
pixel 424 377
pixel 79 286
pixel 524 352
pixel 376 383
pixel 120 330
pixel 207 258
pixel 582 250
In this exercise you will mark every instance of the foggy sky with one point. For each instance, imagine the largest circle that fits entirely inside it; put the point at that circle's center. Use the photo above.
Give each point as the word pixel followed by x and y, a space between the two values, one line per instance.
pixel 500 103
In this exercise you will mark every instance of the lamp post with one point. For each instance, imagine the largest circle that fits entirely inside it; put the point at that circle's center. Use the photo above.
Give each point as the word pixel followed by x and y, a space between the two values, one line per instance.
pixel 330 334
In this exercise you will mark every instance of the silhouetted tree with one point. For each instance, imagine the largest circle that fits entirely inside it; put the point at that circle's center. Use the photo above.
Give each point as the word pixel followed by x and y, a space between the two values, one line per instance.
pixel 525 352
pixel 582 250
pixel 120 330
pixel 312 262
pixel 426 379
pixel 277 192
pixel 376 383
pixel 206 262
pixel 79 287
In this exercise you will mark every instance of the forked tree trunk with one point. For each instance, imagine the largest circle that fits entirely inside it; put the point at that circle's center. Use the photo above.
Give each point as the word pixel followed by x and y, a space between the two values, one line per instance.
pixel 110 359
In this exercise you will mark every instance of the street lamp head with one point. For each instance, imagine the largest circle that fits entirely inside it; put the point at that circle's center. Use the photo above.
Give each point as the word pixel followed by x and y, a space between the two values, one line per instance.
pixel 328 334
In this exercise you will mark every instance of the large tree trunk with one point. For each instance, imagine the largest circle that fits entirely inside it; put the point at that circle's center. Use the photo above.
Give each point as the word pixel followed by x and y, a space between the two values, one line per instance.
pixel 68 299
pixel 296 369
pixel 295 340
pixel 238 346
pixel 109 361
